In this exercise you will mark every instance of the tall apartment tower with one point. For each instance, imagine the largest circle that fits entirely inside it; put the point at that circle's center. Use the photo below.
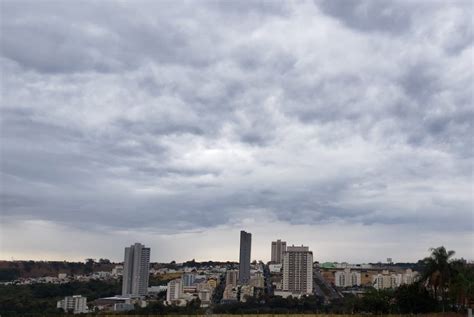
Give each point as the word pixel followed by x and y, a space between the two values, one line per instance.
pixel 298 270
pixel 244 261
pixel 278 247
pixel 136 267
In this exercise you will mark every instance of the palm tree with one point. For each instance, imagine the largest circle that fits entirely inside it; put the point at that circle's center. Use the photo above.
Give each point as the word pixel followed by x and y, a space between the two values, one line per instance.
pixel 437 271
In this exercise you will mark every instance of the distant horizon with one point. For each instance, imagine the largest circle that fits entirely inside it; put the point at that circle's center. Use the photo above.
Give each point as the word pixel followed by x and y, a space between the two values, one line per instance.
pixel 204 261
pixel 182 260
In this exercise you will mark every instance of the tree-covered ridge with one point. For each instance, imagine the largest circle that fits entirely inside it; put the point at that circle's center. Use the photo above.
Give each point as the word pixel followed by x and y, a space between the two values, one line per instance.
pixel 16 300
pixel 12 270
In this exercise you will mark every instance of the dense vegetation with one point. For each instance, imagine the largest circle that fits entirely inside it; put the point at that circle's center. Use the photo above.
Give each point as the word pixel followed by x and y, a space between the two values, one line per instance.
pixel 24 269
pixel 41 298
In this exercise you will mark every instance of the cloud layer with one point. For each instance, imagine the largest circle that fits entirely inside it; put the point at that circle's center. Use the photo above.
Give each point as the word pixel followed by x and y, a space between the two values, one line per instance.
pixel 167 118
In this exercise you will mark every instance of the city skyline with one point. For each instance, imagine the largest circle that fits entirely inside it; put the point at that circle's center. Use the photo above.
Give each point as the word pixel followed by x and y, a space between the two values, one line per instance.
pixel 343 126
pixel 241 249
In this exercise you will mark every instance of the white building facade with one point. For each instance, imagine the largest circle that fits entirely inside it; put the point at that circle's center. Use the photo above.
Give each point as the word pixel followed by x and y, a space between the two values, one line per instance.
pixel 298 270
pixel 347 278
pixel 174 291
pixel 77 304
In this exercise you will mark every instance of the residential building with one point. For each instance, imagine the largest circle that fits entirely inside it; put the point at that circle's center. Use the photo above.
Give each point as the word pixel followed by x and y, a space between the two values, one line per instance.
pixel 231 277
pixel 257 280
pixel 409 277
pixel 212 282
pixel 76 303
pixel 278 247
pixel 230 294
pixel 347 278
pixel 155 290
pixel 188 279
pixel 136 270
pixel 205 296
pixel 174 291
pixel 117 270
pixel 275 268
pixel 244 260
pixel 298 270
pixel 114 303
pixel 386 280
pixel 366 277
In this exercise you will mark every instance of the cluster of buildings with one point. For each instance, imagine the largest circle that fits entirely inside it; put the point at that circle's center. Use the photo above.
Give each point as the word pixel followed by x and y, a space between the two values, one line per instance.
pixel 291 269
pixel 291 272
pixel 248 279
pixel 236 290
pixel 191 286
pixel 356 276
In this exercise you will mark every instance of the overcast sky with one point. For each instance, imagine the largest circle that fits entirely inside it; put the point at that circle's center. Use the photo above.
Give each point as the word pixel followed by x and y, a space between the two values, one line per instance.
pixel 346 126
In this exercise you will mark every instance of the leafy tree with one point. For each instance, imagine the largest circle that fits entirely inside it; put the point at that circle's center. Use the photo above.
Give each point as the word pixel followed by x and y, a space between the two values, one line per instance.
pixel 377 301
pixel 104 261
pixel 461 287
pixel 437 271
pixel 89 266
pixel 414 299
pixel 36 299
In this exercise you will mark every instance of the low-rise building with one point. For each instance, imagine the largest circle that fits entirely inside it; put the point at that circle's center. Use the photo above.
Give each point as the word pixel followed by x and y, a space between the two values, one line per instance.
pixel 275 268
pixel 213 282
pixel 205 296
pixel 257 280
pixel 347 278
pixel 410 276
pixel 386 280
pixel 76 303
pixel 230 294
pixel 246 291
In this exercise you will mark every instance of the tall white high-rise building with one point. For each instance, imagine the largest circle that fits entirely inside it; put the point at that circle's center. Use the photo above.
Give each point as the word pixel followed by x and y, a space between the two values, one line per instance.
pixel 298 270
pixel 136 267
pixel 278 247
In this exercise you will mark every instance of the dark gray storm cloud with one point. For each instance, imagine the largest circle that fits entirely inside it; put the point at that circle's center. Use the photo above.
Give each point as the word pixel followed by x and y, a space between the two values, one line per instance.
pixel 172 116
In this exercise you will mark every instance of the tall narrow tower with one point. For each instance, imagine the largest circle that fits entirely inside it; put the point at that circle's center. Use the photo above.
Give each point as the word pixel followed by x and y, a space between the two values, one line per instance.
pixel 244 261
pixel 136 266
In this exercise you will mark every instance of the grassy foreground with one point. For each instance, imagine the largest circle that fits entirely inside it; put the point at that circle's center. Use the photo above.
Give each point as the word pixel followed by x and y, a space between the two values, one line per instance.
pixel 268 315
